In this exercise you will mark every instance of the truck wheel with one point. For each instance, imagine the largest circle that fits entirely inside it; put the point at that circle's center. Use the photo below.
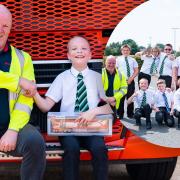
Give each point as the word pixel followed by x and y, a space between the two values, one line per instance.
pixel 152 171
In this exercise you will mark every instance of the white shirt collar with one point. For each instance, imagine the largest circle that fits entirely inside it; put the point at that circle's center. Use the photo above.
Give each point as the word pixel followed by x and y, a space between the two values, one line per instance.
pixel 143 91
pixel 76 72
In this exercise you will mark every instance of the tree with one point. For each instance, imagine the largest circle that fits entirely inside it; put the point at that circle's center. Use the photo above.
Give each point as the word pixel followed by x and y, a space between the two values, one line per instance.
pixel 160 46
pixel 113 49
pixel 177 54
pixel 132 44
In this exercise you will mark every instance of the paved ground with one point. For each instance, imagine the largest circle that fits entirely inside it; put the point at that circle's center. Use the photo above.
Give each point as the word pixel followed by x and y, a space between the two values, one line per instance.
pixel 116 172
pixel 161 135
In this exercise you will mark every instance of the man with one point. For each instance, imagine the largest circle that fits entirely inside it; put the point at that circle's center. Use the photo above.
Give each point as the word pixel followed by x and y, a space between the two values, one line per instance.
pixel 129 66
pixel 114 82
pixel 166 66
pixel 17 137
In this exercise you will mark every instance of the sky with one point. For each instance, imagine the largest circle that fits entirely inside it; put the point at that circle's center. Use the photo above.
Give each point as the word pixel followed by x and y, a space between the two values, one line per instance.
pixel 155 21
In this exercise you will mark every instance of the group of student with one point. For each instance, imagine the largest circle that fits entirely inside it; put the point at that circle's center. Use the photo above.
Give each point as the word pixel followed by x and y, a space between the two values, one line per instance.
pixel 164 102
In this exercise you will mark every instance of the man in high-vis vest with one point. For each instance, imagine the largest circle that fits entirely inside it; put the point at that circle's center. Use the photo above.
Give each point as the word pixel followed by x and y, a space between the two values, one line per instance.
pixel 114 82
pixel 17 137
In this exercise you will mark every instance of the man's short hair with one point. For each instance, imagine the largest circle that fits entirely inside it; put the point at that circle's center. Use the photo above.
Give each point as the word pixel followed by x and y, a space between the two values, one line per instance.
pixel 110 57
pixel 125 46
pixel 161 81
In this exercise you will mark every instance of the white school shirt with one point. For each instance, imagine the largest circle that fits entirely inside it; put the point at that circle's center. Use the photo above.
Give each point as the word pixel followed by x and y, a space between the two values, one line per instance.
pixel 168 65
pixel 177 100
pixel 121 64
pixel 177 64
pixel 159 100
pixel 149 98
pixel 64 88
pixel 147 62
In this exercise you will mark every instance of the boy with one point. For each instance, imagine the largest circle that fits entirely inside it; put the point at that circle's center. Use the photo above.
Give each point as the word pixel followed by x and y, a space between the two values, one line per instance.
pixel 177 104
pixel 166 66
pixel 143 103
pixel 129 66
pixel 150 63
pixel 163 104
pixel 79 80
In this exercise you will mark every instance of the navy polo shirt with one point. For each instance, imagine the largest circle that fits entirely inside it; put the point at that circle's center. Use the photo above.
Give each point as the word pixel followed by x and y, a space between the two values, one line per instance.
pixel 110 90
pixel 5 62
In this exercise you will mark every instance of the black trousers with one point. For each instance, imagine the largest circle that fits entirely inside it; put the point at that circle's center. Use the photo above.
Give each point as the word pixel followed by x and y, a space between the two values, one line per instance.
pixel 164 115
pixel 31 146
pixel 168 80
pixel 144 75
pixel 130 107
pixel 144 111
pixel 98 150
pixel 177 114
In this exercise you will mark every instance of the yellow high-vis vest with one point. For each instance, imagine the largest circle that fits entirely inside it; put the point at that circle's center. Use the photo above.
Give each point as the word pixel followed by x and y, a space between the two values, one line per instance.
pixel 119 85
pixel 20 106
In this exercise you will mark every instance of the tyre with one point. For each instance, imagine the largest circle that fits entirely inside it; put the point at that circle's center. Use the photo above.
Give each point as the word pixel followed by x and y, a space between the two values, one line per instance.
pixel 152 171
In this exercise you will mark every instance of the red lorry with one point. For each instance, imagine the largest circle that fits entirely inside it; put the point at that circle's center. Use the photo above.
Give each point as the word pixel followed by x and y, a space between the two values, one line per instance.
pixel 43 28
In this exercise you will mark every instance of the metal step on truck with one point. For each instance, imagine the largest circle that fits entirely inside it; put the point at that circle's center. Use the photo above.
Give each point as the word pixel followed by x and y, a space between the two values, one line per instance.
pixel 43 29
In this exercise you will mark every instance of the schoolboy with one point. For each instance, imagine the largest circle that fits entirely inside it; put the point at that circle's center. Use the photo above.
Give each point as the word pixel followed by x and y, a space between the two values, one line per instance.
pixel 163 105
pixel 79 80
pixel 165 67
pixel 129 66
pixel 150 63
pixel 143 100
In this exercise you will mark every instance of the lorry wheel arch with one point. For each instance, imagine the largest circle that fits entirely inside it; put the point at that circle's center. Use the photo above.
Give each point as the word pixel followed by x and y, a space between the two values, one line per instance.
pixel 152 171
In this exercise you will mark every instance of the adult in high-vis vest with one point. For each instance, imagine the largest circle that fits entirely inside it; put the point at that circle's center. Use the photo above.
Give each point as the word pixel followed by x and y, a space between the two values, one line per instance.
pixel 114 82
pixel 17 137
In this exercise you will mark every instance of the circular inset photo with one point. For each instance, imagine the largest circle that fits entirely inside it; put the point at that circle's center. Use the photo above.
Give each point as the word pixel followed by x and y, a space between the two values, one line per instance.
pixel 144 49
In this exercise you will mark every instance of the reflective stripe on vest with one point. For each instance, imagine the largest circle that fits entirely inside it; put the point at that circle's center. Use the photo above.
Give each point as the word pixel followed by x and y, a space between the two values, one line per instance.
pixel 14 96
pixel 22 107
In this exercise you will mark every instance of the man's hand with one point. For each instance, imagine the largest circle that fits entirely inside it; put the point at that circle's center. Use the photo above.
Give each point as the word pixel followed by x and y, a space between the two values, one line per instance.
pixel 8 141
pixel 29 87
pixel 130 80
pixel 111 101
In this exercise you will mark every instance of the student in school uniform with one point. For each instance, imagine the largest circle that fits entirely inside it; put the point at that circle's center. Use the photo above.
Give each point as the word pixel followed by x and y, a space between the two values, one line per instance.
pixel 150 60
pixel 165 68
pixel 176 71
pixel 129 66
pixel 163 104
pixel 177 104
pixel 114 83
pixel 80 90
pixel 143 100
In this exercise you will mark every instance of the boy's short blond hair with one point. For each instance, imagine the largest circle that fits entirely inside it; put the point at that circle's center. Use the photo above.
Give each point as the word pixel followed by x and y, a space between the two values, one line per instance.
pixel 160 81
pixel 156 49
pixel 74 37
pixel 125 46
